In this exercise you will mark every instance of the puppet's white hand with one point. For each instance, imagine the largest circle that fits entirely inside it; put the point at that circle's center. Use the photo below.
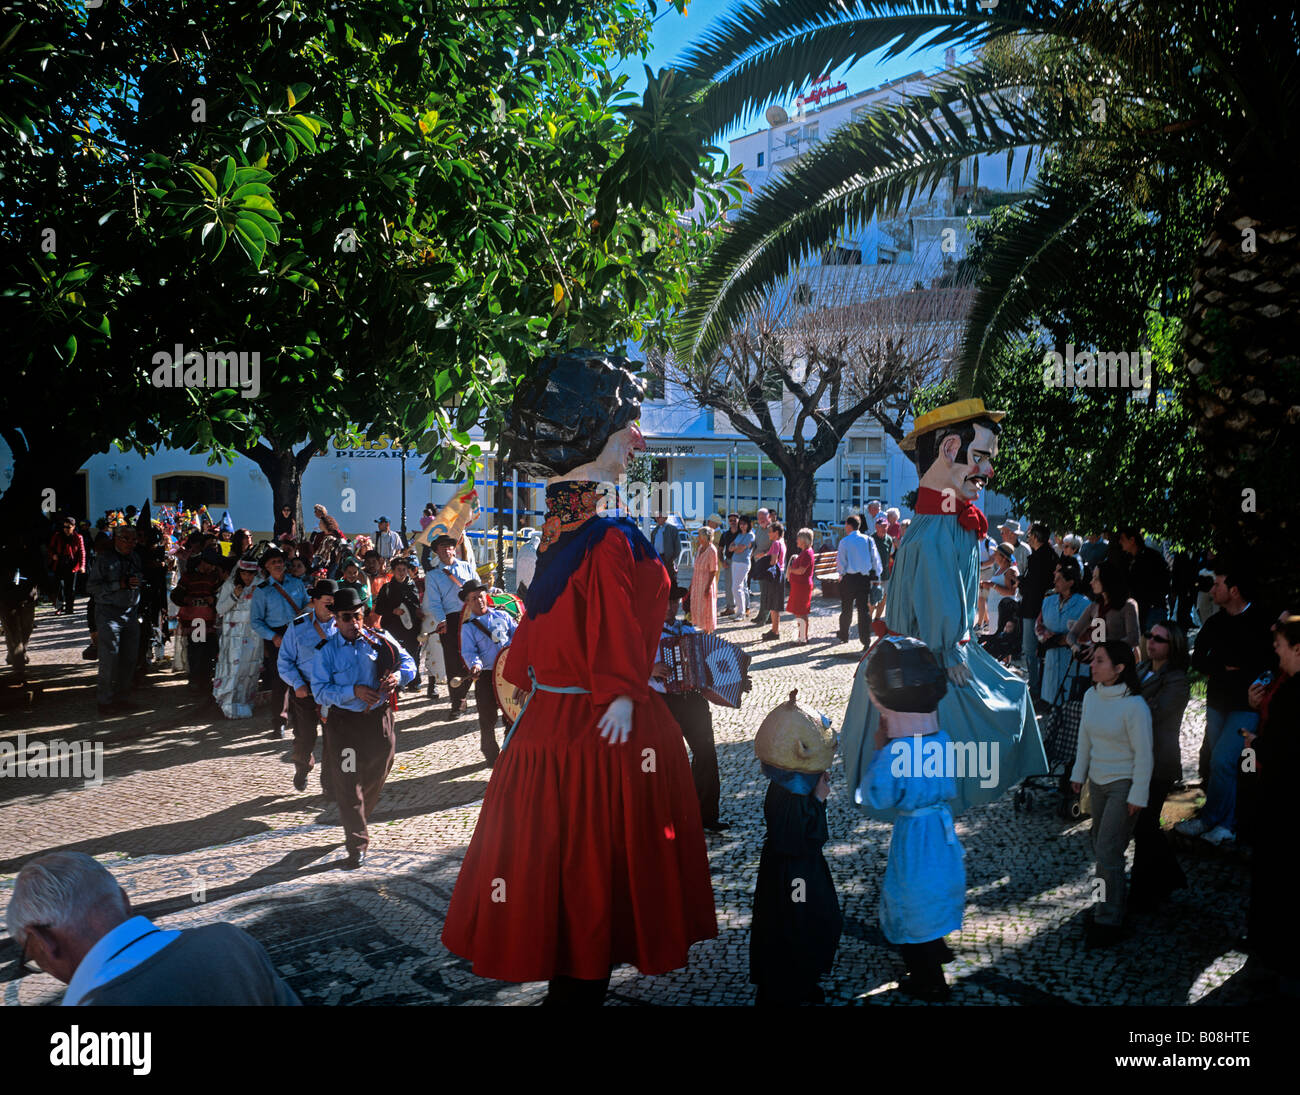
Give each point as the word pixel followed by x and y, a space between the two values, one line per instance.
pixel 959 673
pixel 615 724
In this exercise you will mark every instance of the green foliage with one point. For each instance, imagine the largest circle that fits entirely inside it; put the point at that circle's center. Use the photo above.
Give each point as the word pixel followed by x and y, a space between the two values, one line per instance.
pixel 1081 458
pixel 410 190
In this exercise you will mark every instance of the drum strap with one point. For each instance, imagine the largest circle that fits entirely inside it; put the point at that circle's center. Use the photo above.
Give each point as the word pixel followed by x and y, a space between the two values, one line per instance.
pixel 537 686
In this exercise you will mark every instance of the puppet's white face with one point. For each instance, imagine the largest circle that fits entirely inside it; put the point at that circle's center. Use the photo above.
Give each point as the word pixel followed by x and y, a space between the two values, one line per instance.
pixel 618 450
pixel 968 479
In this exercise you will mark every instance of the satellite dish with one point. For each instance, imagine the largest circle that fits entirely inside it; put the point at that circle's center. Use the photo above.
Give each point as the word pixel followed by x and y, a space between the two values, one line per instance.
pixel 776 115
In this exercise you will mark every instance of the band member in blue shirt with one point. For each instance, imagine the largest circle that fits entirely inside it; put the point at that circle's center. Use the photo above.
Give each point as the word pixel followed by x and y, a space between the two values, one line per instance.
pixel 442 586
pixel 355 678
pixel 298 648
pixel 484 633
pixel 277 602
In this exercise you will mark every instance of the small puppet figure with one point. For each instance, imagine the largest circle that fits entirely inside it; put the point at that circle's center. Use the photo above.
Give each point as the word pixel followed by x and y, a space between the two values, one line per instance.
pixel 924 892
pixel 797 920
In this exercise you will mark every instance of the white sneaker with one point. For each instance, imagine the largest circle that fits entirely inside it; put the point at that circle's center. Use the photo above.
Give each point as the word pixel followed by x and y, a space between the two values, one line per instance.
pixel 1192 826
pixel 1220 834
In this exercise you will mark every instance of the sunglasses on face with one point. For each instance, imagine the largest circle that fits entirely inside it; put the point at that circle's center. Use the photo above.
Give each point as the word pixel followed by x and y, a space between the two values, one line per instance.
pixel 1151 637
pixel 348 615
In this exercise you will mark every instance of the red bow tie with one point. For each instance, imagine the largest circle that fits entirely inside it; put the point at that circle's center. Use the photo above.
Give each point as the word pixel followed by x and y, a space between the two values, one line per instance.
pixel 968 515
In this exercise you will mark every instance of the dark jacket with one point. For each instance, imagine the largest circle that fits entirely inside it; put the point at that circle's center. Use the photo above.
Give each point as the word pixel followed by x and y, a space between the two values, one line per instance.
pixel 1148 578
pixel 392 596
pixel 1166 693
pixel 672 542
pixel 215 965
pixel 1245 641
pixel 1036 581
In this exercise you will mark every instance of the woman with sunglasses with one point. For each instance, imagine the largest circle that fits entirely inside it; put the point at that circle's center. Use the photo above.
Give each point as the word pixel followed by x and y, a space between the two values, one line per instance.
pixel 1156 873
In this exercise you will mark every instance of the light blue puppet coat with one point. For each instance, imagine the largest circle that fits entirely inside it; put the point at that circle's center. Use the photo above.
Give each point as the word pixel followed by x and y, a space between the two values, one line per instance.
pixel 924 893
pixel 933 593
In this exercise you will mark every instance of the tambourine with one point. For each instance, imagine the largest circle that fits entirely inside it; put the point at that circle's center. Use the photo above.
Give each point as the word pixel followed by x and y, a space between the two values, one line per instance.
pixel 510 698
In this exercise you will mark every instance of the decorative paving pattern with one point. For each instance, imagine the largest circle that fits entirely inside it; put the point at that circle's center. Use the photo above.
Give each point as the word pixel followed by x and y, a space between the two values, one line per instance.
pixel 200 823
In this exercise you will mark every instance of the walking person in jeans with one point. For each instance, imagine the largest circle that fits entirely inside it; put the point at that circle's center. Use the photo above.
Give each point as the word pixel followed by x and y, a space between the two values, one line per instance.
pixel 1156 873
pixel 739 551
pixel 1115 756
pixel 1232 649
pixel 68 558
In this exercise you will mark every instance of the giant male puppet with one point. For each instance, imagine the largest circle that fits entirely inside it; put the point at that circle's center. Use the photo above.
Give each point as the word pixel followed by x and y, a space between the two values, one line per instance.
pixel 933 593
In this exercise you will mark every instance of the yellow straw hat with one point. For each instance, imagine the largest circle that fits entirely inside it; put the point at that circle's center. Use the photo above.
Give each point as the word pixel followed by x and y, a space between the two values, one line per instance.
pixel 950 414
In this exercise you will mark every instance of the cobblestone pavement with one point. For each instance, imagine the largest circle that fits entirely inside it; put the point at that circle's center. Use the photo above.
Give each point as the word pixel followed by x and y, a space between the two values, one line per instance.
pixel 199 821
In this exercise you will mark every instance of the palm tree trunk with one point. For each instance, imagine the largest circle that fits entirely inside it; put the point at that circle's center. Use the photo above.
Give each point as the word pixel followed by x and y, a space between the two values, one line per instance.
pixel 1241 341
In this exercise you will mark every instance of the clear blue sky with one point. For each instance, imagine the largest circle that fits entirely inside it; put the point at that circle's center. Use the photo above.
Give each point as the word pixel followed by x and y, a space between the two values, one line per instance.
pixel 674 33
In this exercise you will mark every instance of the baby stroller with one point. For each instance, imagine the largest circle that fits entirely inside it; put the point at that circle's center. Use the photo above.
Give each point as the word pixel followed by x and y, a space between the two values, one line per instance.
pixel 1060 730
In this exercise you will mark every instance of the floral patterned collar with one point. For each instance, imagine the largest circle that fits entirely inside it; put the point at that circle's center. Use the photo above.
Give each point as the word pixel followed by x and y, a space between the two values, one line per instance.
pixel 569 506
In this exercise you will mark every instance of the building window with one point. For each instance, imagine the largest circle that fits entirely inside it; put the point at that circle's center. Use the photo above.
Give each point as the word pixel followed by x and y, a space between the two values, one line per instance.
pixel 810 133
pixel 842 256
pixel 791 138
pixel 875 444
pixel 193 488
pixel 760 159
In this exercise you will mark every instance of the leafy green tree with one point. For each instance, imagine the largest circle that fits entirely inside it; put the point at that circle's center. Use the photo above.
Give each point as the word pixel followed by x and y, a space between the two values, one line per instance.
pixel 396 207
pixel 1143 88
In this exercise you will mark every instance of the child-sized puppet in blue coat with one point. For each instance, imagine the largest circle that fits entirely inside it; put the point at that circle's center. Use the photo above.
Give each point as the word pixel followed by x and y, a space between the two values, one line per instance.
pixel 912 771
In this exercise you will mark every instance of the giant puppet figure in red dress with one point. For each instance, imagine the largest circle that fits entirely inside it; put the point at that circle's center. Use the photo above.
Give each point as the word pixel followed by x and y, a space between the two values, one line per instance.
pixel 589 850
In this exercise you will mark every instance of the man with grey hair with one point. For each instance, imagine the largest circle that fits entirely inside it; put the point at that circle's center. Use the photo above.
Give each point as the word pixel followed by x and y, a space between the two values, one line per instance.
pixel 71 919
pixel 758 565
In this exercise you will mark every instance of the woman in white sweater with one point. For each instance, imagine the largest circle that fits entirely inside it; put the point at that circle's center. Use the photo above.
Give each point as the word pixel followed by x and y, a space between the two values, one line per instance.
pixel 1115 757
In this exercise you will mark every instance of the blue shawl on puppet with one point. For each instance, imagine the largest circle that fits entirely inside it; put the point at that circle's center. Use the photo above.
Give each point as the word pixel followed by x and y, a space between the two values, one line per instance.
pixel 557 563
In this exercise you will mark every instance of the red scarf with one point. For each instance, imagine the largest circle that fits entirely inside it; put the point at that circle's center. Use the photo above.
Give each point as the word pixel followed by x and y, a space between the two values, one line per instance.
pixel 968 515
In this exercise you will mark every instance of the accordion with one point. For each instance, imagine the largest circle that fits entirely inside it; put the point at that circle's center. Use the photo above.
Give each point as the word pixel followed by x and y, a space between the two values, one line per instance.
pixel 701 662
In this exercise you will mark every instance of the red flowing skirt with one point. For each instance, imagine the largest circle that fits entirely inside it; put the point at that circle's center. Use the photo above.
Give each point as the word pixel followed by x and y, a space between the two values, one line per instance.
pixel 586 855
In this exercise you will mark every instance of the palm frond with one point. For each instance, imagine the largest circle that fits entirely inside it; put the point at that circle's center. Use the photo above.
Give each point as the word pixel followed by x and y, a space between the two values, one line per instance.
pixel 1039 243
pixel 865 169
pixel 765 50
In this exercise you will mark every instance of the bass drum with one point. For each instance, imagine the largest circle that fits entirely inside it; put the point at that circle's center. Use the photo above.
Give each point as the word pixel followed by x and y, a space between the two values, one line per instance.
pixel 509 697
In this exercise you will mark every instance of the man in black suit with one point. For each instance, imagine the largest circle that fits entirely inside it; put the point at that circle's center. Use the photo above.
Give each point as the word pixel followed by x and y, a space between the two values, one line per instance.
pixel 1034 584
